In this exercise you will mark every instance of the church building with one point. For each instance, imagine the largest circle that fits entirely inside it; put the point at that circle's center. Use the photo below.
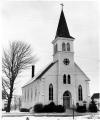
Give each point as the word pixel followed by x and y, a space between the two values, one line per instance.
pixel 62 81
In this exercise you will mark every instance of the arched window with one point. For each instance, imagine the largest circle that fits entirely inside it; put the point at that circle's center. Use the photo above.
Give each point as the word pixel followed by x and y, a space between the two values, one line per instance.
pixel 63 47
pixel 80 96
pixel 55 48
pixel 69 79
pixel 64 79
pixel 68 47
pixel 50 92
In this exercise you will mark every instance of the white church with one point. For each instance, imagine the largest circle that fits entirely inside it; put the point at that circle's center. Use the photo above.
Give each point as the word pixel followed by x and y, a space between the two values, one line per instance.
pixel 62 81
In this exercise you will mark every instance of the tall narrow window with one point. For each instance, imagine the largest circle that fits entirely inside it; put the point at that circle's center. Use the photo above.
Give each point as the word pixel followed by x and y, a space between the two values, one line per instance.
pixel 63 47
pixel 64 79
pixel 50 92
pixel 55 48
pixel 80 96
pixel 69 79
pixel 68 47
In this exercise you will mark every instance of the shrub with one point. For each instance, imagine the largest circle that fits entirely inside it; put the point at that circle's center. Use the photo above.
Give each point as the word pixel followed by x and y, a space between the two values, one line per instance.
pixel 81 109
pixel 24 110
pixel 60 108
pixel 49 108
pixel 38 108
pixel 92 107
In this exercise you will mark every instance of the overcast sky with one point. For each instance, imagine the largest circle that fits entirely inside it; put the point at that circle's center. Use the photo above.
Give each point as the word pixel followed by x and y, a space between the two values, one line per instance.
pixel 36 24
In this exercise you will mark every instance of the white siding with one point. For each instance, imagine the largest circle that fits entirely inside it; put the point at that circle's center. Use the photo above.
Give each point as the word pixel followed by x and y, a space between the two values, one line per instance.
pixel 81 79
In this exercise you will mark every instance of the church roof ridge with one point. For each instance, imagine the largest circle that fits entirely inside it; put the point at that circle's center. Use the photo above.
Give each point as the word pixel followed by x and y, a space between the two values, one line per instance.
pixel 62 29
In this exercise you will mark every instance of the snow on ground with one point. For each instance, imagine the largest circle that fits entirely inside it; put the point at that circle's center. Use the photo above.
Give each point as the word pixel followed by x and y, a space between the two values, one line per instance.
pixel 51 118
pixel 16 115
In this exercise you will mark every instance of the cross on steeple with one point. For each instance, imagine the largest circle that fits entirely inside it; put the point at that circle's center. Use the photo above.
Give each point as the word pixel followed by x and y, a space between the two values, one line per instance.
pixel 62 5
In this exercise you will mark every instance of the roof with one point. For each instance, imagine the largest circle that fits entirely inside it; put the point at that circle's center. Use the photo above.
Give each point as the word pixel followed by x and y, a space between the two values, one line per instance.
pixel 45 70
pixel 95 95
pixel 40 74
pixel 62 30
pixel 82 72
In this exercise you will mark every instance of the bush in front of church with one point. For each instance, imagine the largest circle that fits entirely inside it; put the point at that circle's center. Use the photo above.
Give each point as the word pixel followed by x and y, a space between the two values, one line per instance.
pixel 60 108
pixel 38 108
pixel 92 107
pixel 49 108
pixel 81 109
pixel 24 110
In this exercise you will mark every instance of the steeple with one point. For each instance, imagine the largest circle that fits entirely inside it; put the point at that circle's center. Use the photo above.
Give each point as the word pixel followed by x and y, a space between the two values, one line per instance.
pixel 62 30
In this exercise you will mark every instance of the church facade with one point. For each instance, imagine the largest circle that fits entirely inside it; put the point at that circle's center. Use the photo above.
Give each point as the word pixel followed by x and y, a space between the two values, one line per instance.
pixel 62 81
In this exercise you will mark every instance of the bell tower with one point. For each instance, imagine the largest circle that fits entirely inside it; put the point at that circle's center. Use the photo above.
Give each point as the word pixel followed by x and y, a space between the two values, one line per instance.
pixel 63 53
pixel 63 42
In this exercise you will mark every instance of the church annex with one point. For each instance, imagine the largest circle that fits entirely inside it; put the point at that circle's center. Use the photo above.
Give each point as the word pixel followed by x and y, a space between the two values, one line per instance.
pixel 62 81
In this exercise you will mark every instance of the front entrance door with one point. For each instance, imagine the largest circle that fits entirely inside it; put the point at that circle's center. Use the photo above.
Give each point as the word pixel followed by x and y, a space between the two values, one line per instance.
pixel 66 99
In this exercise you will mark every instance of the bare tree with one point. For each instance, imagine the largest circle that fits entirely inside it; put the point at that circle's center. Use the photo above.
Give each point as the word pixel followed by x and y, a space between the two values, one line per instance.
pixel 17 58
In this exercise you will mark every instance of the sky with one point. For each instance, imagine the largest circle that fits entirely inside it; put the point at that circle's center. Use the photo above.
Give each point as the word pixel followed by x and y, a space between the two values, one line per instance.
pixel 35 22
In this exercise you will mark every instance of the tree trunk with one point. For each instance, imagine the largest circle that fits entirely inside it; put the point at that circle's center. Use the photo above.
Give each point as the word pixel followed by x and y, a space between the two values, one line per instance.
pixel 9 99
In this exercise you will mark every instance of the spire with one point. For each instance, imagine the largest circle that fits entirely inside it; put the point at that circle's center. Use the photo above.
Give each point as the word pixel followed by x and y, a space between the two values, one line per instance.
pixel 62 30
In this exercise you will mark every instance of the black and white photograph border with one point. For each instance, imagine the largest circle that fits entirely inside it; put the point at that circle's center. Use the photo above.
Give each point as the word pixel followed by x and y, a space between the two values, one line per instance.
pixel 50 60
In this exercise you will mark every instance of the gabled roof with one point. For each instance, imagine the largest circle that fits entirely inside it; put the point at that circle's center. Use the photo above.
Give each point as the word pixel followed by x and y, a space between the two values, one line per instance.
pixel 40 74
pixel 45 70
pixel 62 30
pixel 82 72
pixel 96 96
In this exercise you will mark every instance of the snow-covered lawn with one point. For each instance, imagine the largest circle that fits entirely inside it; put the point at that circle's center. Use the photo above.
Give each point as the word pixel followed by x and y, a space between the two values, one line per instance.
pixel 51 118
pixel 16 115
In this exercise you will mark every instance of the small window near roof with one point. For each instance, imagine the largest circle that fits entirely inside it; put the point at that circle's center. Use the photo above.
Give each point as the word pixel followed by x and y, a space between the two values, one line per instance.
pixel 68 47
pixel 63 47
